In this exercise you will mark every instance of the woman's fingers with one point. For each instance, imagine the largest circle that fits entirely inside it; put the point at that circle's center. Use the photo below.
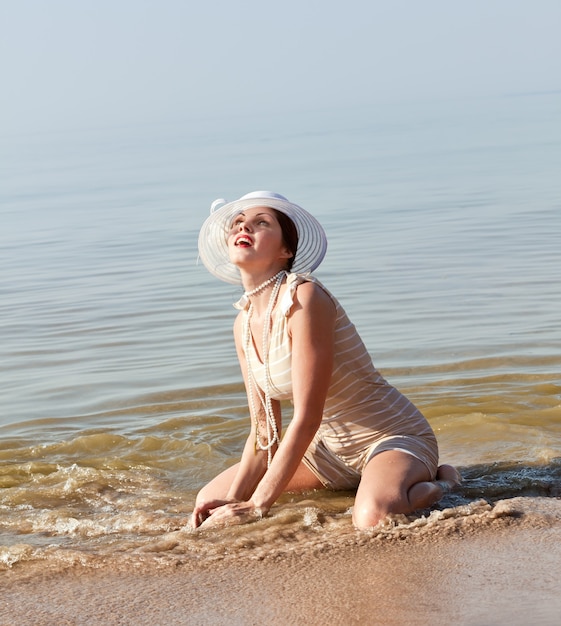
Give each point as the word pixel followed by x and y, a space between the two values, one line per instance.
pixel 228 514
pixel 204 510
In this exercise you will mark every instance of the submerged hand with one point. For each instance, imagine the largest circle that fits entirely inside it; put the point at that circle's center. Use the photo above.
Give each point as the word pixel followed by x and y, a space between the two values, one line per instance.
pixel 204 510
pixel 230 513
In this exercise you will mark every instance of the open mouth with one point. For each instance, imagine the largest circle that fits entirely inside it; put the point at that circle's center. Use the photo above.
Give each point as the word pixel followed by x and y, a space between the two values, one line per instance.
pixel 243 242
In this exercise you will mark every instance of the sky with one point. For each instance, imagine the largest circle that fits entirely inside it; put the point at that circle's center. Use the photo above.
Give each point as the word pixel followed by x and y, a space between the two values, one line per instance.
pixel 77 63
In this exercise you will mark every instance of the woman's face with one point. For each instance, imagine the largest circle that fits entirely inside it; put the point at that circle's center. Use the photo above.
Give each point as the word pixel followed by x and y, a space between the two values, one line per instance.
pixel 255 235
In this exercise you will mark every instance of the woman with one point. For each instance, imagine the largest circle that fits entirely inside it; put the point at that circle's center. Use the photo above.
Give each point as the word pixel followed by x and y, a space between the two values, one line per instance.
pixel 350 428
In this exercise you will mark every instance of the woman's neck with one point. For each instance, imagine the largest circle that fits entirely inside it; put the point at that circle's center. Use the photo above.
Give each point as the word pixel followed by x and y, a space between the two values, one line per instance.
pixel 259 292
pixel 253 280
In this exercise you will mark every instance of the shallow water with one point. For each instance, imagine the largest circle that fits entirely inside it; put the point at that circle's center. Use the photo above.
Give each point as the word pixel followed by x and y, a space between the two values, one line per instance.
pixel 121 394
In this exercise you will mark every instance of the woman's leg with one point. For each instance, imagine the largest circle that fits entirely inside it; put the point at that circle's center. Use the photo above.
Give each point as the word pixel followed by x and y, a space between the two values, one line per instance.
pixel 218 487
pixel 304 480
pixel 396 482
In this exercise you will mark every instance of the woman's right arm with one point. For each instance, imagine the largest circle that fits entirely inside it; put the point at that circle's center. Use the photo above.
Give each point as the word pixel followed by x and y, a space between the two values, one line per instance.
pixel 253 463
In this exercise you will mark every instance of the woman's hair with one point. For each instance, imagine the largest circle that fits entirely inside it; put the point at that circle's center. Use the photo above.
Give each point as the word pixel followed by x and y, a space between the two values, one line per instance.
pixel 289 235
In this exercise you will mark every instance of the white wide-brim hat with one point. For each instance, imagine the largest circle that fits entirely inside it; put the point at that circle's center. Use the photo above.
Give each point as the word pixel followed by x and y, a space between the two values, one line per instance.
pixel 213 238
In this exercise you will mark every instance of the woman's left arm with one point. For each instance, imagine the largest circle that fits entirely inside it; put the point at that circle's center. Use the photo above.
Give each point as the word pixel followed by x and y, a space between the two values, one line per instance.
pixel 312 328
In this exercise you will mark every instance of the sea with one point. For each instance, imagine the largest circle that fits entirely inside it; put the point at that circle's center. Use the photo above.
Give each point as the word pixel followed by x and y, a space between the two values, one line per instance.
pixel 121 395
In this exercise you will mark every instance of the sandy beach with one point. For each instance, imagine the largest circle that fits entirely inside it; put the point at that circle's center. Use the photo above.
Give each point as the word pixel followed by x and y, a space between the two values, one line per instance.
pixel 503 571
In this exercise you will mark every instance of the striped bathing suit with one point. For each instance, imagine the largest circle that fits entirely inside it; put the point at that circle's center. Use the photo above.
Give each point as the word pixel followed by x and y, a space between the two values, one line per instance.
pixel 363 414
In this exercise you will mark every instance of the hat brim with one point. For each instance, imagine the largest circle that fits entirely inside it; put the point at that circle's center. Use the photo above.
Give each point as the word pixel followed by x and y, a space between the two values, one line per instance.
pixel 213 243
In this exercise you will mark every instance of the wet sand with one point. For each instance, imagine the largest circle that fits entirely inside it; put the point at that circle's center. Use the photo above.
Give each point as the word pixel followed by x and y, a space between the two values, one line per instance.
pixel 503 573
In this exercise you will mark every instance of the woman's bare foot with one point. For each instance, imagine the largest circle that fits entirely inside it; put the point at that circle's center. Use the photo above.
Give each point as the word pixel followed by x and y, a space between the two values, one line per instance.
pixel 448 478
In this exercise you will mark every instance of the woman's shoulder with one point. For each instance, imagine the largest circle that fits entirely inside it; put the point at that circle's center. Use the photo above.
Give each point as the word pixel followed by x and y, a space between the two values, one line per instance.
pixel 238 325
pixel 303 291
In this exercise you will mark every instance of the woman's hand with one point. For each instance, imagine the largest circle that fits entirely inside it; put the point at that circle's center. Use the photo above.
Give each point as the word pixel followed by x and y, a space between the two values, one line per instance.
pixel 219 513
pixel 203 510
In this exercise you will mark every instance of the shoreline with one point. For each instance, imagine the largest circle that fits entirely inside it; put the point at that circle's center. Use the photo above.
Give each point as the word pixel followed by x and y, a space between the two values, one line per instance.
pixel 500 573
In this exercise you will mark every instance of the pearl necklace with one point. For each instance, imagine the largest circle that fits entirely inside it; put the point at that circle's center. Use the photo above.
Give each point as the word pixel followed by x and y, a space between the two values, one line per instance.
pixel 248 294
pixel 242 303
pixel 265 397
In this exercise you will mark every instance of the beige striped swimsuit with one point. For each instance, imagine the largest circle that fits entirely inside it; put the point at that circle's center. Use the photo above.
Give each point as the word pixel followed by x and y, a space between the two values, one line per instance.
pixel 363 414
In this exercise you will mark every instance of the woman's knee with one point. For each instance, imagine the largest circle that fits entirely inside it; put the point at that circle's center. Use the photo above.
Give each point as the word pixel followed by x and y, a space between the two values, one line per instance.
pixel 369 511
pixel 386 487
pixel 202 495
pixel 218 487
